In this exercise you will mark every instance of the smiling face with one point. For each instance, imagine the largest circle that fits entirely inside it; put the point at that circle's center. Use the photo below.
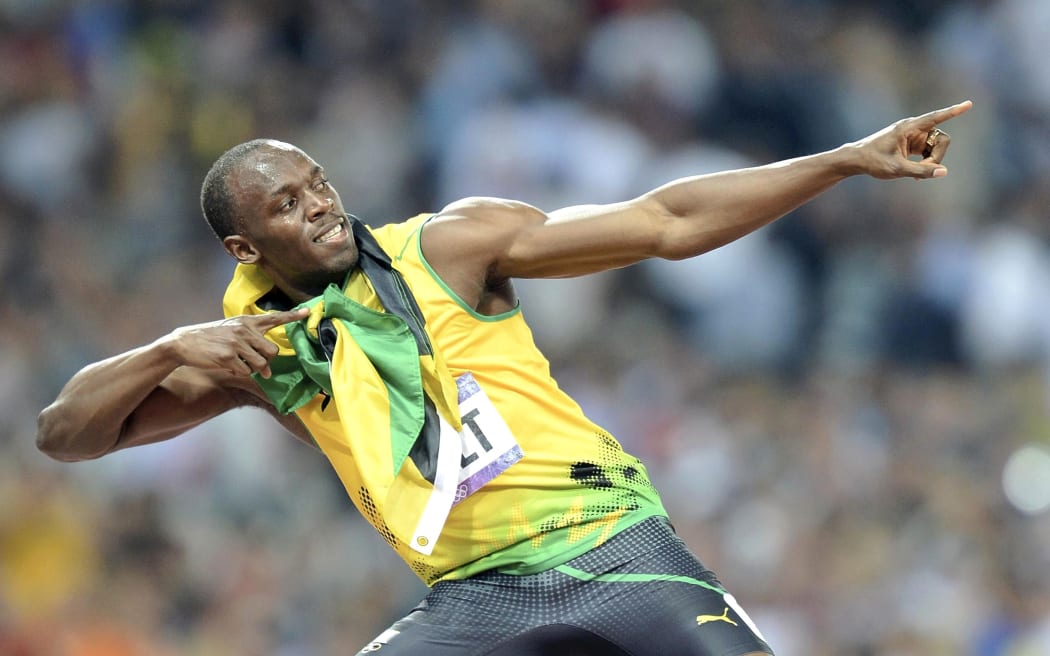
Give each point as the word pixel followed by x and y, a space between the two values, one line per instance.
pixel 291 222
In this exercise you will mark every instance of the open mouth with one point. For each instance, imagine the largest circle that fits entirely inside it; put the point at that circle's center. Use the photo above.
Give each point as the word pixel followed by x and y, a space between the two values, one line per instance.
pixel 337 231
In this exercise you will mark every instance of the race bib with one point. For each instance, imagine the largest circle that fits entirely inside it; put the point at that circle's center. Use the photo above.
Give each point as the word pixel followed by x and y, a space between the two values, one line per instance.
pixel 467 459
pixel 489 448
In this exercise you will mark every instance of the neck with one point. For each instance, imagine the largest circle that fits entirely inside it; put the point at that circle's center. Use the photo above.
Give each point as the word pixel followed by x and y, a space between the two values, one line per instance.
pixel 292 294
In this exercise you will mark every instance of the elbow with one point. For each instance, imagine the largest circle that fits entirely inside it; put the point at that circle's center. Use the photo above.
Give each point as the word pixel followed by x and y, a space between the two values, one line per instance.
pixel 668 233
pixel 682 238
pixel 56 438
pixel 679 239
pixel 49 433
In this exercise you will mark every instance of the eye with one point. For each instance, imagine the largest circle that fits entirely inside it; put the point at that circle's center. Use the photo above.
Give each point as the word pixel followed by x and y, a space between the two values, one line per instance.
pixel 321 184
pixel 288 204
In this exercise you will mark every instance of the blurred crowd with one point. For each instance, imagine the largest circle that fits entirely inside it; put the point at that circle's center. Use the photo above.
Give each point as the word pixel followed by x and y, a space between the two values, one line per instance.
pixel 846 412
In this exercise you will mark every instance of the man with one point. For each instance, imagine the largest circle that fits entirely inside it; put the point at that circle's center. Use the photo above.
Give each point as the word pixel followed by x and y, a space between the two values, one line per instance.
pixel 401 354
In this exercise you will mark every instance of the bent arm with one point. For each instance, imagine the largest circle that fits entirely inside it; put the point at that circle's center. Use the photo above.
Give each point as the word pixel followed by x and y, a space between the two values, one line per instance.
pixel 131 399
pixel 163 389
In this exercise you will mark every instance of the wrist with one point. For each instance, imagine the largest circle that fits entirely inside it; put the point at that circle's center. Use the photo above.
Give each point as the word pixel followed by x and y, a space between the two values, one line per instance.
pixel 847 160
pixel 167 350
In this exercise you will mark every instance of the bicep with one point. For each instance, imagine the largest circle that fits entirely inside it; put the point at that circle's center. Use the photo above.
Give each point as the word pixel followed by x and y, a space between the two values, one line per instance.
pixel 186 398
pixel 588 238
pixel 487 239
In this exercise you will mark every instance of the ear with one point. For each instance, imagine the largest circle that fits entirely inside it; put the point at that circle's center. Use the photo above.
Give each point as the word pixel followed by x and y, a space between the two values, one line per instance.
pixel 241 248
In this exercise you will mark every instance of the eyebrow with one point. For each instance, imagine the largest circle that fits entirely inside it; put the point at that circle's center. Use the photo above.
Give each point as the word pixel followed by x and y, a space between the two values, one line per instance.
pixel 285 188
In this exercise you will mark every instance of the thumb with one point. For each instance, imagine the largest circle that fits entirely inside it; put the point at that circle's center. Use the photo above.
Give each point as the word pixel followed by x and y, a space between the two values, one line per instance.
pixel 923 170
pixel 937 171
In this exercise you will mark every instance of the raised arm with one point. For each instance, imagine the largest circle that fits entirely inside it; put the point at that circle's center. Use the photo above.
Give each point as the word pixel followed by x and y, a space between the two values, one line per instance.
pixel 160 390
pixel 498 240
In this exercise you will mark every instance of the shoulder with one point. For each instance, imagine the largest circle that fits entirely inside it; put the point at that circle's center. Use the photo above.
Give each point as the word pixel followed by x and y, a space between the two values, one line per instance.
pixel 465 242
pixel 477 228
pixel 480 224
pixel 487 208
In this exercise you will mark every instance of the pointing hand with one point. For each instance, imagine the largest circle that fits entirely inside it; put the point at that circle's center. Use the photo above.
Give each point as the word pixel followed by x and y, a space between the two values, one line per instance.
pixel 236 345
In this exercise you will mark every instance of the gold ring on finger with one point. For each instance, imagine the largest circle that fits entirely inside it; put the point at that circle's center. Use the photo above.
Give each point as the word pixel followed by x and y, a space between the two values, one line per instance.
pixel 931 138
pixel 931 141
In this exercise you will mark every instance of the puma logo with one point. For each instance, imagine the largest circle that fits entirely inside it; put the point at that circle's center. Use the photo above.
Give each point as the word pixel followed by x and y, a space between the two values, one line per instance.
pixel 724 617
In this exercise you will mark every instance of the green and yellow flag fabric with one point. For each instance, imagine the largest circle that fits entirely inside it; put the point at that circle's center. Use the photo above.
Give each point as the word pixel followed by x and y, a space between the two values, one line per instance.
pixel 372 357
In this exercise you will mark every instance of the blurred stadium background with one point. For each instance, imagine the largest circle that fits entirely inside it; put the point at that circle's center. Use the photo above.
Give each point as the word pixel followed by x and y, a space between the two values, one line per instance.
pixel 847 412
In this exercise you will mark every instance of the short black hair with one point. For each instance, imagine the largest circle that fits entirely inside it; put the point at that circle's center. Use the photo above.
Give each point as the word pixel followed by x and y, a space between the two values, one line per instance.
pixel 217 202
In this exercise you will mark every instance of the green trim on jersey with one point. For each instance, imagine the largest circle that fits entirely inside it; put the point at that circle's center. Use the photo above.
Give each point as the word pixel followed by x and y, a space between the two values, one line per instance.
pixel 634 578
pixel 448 290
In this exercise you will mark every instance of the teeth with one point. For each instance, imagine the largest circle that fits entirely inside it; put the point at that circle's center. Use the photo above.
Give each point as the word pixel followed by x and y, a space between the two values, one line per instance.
pixel 331 233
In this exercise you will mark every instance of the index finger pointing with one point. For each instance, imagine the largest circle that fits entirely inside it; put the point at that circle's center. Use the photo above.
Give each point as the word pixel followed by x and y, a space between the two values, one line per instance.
pixel 938 116
pixel 274 319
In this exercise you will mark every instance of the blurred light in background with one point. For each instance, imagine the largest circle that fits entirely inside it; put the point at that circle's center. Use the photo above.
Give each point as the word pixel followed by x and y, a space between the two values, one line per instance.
pixel 1026 479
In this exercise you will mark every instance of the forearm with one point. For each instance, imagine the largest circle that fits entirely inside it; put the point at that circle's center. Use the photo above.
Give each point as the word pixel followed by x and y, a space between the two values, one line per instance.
pixel 704 212
pixel 88 417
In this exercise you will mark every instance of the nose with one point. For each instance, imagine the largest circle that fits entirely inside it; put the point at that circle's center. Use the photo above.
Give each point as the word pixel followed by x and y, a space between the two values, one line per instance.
pixel 321 204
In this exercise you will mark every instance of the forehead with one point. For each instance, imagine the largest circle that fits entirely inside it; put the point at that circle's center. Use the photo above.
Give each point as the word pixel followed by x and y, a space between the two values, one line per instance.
pixel 269 168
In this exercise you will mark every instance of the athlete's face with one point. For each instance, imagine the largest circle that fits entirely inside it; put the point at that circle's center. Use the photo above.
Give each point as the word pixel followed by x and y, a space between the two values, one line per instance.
pixel 292 222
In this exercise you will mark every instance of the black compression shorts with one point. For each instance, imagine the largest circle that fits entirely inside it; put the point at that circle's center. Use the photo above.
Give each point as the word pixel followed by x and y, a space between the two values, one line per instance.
pixel 642 593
